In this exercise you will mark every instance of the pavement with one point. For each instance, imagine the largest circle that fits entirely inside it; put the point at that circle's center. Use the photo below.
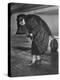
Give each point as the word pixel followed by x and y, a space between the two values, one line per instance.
pixel 21 56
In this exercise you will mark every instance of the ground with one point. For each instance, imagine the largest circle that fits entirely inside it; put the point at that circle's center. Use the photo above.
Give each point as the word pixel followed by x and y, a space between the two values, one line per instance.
pixel 21 56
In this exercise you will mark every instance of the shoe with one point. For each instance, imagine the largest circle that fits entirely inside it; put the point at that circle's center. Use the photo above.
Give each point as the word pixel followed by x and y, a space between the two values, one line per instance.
pixel 30 64
pixel 38 62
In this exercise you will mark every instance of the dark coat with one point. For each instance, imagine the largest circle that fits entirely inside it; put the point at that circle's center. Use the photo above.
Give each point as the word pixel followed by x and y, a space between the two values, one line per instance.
pixel 40 31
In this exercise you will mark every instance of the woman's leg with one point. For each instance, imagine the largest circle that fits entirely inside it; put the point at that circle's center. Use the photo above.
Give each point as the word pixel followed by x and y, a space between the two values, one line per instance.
pixel 38 57
pixel 33 60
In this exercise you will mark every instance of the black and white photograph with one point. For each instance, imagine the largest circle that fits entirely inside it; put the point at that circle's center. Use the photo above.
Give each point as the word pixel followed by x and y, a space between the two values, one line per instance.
pixel 33 39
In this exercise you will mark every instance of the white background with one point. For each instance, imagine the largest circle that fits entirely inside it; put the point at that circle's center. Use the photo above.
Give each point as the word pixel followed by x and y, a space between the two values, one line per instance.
pixel 4 40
